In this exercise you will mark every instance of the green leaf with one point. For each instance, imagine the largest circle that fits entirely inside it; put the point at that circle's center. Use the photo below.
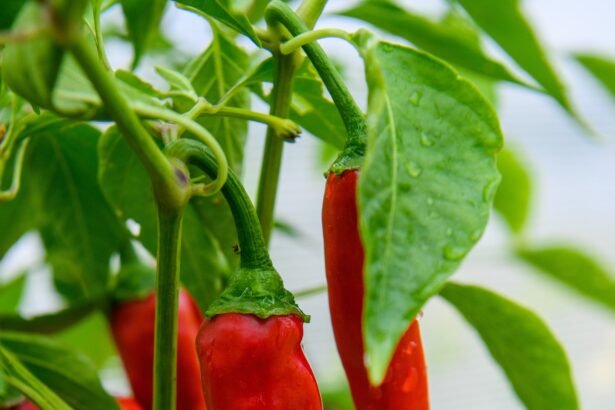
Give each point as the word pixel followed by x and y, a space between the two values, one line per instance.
pixel 602 68
pixel 426 187
pixel 76 224
pixel 10 10
pixel 212 74
pixel 143 20
pixel 214 9
pixel 521 343
pixel 123 179
pixel 10 294
pixel 31 68
pixel 67 373
pixel 575 269
pixel 15 374
pixel 90 337
pixel 512 199
pixel 442 39
pixel 505 23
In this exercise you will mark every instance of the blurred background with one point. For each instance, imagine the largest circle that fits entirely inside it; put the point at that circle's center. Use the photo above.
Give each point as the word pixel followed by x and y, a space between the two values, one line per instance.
pixel 573 202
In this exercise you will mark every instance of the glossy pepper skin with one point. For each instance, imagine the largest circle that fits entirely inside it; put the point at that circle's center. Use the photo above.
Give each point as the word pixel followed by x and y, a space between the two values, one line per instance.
pixel 248 363
pixel 133 323
pixel 405 384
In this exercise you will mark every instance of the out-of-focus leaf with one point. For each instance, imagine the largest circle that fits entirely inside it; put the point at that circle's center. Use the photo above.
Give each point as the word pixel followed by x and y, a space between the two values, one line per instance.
pixel 426 187
pixel 442 39
pixel 90 337
pixel 575 269
pixel 66 372
pixel 521 343
pixel 78 229
pixel 505 23
pixel 10 294
pixel 512 199
pixel 212 74
pixel 126 185
pixel 143 20
pixel 10 10
pixel 602 68
pixel 218 11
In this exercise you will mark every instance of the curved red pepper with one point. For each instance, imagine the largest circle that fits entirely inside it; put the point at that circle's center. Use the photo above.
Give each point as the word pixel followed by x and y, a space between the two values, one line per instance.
pixel 132 324
pixel 248 363
pixel 405 384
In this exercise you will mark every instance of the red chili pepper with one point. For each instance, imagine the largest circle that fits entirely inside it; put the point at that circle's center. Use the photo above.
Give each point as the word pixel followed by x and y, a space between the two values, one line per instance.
pixel 405 384
pixel 250 345
pixel 132 324
pixel 250 363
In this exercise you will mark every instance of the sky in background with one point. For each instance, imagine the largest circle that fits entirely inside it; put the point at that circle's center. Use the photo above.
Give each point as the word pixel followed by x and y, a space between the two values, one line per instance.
pixel 574 203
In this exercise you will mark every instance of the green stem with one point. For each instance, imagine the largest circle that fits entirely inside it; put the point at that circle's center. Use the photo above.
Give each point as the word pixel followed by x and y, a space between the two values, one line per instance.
pixel 198 131
pixel 100 42
pixel 310 11
pixel 353 117
pixel 254 253
pixel 297 42
pixel 11 193
pixel 167 295
pixel 158 167
pixel 281 99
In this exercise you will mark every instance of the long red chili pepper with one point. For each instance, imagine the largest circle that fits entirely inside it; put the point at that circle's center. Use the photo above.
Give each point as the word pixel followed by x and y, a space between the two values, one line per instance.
pixel 405 384
pixel 250 345
pixel 132 324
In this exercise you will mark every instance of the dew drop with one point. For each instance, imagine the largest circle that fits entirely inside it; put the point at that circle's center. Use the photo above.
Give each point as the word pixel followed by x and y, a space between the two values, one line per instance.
pixel 490 189
pixel 413 169
pixel 415 98
pixel 410 382
pixel 454 253
pixel 426 140
pixel 429 201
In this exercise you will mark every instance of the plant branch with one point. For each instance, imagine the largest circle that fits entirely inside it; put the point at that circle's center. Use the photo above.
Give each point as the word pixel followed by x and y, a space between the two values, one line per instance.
pixel 309 37
pixel 167 295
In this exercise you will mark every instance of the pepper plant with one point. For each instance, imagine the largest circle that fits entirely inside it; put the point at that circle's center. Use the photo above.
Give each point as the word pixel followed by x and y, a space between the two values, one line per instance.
pixel 88 151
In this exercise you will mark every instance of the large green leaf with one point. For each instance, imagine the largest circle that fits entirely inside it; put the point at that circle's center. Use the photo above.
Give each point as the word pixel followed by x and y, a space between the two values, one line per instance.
pixel 212 74
pixel 10 10
pixel 521 343
pixel 67 373
pixel 442 39
pixel 10 294
pixel 126 185
pixel 512 200
pixel 505 23
pixel 143 21
pixel 426 187
pixel 78 229
pixel 575 269
pixel 602 68
pixel 218 11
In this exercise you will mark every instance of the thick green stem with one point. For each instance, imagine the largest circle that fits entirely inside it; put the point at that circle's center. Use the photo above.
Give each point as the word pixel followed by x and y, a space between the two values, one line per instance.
pixel 353 117
pixel 158 167
pixel 281 98
pixel 310 11
pixel 167 294
pixel 311 36
pixel 254 253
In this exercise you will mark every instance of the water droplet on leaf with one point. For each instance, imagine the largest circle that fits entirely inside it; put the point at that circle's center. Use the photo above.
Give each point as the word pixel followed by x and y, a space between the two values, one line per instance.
pixel 413 169
pixel 415 98
pixel 430 201
pixel 426 140
pixel 454 253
